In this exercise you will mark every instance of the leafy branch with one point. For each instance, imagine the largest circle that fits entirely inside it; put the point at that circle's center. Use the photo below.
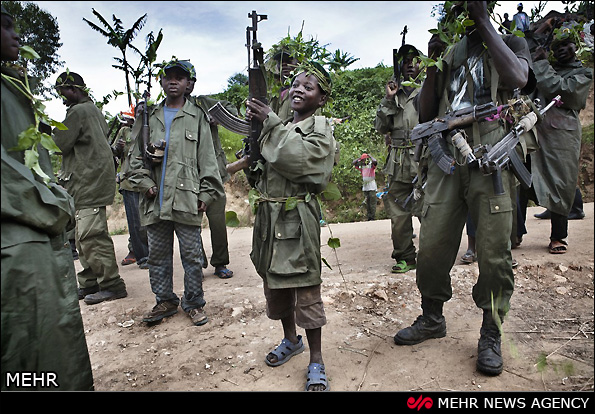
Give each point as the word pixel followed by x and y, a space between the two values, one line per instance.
pixel 30 139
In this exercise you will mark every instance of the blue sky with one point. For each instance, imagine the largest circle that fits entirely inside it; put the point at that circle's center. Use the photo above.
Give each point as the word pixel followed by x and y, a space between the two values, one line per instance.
pixel 212 34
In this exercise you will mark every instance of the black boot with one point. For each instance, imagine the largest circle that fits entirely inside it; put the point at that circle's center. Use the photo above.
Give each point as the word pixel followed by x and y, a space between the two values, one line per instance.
pixel 430 324
pixel 543 215
pixel 489 354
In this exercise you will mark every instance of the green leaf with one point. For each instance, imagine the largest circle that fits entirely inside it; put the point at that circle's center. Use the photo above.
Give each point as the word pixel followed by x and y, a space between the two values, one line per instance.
pixel 331 193
pixel 291 203
pixel 28 53
pixel 59 125
pixel 326 263
pixel 253 197
pixel 231 219
pixel 27 139
pixel 48 143
pixel 334 242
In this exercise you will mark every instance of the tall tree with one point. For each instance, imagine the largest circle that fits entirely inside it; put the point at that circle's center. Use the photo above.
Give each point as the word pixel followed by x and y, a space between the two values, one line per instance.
pixel 39 30
pixel 120 39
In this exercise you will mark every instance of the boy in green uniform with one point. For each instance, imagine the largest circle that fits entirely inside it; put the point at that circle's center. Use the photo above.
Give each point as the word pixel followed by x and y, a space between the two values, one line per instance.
pixel 483 67
pixel 42 329
pixel 397 115
pixel 216 210
pixel 299 159
pixel 176 190
pixel 89 176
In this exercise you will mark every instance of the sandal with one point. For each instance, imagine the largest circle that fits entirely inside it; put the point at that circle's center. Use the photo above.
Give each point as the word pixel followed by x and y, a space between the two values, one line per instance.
pixel 284 351
pixel 558 247
pixel 128 259
pixel 469 257
pixel 223 273
pixel 402 267
pixel 316 376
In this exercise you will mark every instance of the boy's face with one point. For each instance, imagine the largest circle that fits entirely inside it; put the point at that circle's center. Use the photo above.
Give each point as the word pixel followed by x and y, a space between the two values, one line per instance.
pixel 68 94
pixel 10 40
pixel 305 95
pixel 286 66
pixel 175 82
pixel 565 51
pixel 410 67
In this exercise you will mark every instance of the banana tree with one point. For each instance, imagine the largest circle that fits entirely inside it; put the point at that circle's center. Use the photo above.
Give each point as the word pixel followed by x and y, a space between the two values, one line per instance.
pixel 121 39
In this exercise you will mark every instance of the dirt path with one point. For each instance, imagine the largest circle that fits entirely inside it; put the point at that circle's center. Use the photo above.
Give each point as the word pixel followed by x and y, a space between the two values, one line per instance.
pixel 551 315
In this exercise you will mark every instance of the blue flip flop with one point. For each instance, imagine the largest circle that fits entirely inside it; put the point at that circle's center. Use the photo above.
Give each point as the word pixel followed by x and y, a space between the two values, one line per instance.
pixel 285 350
pixel 224 273
pixel 316 376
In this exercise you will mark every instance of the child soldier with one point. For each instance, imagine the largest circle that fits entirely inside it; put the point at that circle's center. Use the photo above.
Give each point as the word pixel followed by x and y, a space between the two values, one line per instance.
pixel 483 67
pixel 42 327
pixel 176 189
pixel 299 158
pixel 89 176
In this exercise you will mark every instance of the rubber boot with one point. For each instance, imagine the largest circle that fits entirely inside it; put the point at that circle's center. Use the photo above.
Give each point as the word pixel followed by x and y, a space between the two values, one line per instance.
pixel 430 324
pixel 489 353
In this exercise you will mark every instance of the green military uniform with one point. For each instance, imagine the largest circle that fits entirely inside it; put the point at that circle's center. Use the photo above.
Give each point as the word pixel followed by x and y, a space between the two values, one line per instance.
pixel 448 198
pixel 187 175
pixel 89 176
pixel 299 161
pixel 555 166
pixel 42 328
pixel 192 176
pixel 137 242
pixel 398 117
pixel 216 210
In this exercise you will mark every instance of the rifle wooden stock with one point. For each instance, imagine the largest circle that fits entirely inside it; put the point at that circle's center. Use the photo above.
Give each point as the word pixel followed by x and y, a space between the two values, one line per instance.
pixel 238 165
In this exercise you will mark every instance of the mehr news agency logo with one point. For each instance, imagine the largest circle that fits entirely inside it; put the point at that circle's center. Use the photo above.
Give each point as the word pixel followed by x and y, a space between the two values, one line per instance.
pixel 545 400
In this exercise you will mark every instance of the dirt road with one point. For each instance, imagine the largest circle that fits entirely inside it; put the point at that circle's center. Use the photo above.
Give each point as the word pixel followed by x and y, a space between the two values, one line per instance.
pixel 547 342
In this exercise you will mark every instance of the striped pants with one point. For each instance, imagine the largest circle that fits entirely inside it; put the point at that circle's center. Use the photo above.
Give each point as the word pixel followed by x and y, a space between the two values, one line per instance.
pixel 161 249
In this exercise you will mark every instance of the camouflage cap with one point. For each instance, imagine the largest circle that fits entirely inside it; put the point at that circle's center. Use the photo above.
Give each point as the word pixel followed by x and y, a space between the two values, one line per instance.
pixel 182 64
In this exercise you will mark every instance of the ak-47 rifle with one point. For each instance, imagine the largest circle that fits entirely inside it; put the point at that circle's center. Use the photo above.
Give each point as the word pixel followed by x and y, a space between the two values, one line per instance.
pixel 396 64
pixel 503 154
pixel 145 131
pixel 432 133
pixel 257 89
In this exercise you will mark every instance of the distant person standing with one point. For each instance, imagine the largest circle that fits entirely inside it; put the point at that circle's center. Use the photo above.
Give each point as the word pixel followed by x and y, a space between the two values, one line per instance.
pixel 505 28
pixel 366 165
pixel 138 248
pixel 521 19
pixel 89 176
pixel 555 166
pixel 396 116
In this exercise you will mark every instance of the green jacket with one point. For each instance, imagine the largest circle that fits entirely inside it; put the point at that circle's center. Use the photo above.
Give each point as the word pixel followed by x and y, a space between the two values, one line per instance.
pixel 88 171
pixel 191 170
pixel 124 157
pixel 299 162
pixel 555 165
pixel 42 330
pixel 398 117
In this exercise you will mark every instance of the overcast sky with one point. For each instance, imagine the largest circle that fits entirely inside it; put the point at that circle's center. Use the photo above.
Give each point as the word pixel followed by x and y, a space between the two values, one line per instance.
pixel 212 35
